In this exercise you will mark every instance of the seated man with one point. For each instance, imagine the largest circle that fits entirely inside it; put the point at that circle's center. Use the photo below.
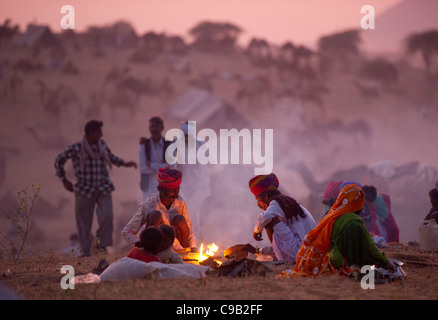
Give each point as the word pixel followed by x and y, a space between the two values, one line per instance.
pixel 285 221
pixel 164 207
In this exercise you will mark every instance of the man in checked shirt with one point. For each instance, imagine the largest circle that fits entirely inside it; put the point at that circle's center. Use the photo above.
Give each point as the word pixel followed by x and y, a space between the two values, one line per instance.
pixel 90 158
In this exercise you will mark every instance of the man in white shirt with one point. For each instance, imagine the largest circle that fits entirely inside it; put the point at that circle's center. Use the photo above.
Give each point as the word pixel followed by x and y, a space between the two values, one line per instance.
pixel 285 221
pixel 152 157
pixel 164 207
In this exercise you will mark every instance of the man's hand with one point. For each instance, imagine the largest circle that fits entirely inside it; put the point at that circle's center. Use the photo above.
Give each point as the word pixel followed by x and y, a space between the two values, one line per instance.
pixel 68 186
pixel 131 164
pixel 257 236
pixel 143 140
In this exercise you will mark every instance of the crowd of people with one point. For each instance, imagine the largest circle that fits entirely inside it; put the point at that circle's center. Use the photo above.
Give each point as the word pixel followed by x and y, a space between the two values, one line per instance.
pixel 162 225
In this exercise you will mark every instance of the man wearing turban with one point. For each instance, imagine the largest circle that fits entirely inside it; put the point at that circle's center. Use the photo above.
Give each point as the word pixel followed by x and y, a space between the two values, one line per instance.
pixel 164 207
pixel 285 221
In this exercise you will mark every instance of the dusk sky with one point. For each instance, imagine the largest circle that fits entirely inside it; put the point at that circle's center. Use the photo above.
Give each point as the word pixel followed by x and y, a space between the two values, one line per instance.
pixel 276 20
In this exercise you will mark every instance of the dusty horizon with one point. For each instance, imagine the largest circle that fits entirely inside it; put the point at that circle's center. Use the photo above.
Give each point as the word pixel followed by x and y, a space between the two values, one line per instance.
pixel 278 21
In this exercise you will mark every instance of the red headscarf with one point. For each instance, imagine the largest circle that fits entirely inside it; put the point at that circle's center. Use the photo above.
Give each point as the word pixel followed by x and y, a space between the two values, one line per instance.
pixel 169 178
pixel 262 183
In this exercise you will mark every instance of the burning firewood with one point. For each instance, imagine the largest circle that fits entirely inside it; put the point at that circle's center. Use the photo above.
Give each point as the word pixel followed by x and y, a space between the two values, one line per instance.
pixel 210 262
pixel 206 258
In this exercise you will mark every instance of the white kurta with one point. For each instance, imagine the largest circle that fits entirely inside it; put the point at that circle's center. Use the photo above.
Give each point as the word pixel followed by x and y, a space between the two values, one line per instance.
pixel 288 234
pixel 151 204
pixel 155 164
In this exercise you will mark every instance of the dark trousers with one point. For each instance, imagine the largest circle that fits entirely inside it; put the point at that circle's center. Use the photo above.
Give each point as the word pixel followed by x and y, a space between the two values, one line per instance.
pixel 179 223
pixel 84 212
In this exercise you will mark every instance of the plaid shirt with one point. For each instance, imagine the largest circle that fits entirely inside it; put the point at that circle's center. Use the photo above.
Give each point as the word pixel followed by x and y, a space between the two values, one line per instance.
pixel 95 175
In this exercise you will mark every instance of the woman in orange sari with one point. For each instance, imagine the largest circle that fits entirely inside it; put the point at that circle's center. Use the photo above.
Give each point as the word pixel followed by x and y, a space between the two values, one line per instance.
pixel 340 240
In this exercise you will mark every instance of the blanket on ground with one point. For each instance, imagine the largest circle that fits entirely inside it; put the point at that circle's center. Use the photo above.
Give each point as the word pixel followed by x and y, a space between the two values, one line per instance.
pixel 127 268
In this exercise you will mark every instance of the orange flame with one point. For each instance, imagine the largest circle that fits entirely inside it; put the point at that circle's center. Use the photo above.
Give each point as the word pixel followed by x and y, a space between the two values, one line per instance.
pixel 211 249
pixel 201 255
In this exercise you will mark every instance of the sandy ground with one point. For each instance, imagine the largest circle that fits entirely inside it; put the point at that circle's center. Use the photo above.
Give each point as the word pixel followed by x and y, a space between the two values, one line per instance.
pixel 40 278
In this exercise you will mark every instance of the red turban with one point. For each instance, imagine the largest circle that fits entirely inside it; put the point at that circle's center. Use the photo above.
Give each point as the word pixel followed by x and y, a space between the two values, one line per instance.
pixel 262 183
pixel 169 178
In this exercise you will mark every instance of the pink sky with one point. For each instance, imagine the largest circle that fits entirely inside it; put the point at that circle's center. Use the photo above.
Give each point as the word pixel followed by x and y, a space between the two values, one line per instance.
pixel 275 20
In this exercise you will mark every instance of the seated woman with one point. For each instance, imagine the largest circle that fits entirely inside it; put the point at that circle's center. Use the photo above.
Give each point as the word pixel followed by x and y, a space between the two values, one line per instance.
pixel 340 240
pixel 147 247
pixel 433 213
pixel 377 215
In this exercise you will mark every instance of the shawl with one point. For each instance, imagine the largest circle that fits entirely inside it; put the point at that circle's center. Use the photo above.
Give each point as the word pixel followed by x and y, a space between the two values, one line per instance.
pixel 313 259
pixel 350 199
pixel 87 148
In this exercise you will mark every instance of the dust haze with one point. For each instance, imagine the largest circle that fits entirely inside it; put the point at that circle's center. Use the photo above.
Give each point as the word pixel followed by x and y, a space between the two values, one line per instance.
pixel 338 112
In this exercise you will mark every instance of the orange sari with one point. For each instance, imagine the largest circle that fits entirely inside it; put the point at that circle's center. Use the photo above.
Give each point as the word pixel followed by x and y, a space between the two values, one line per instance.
pixel 313 259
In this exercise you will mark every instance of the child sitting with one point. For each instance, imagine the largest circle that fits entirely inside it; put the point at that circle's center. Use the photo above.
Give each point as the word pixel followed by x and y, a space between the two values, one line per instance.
pixel 146 249
pixel 165 252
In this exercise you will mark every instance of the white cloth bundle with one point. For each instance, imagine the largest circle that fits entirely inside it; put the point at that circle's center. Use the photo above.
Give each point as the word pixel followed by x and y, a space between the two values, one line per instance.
pixel 128 268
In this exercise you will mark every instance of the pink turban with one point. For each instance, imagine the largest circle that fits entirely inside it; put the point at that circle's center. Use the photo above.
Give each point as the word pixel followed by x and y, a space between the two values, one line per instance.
pixel 169 178
pixel 262 183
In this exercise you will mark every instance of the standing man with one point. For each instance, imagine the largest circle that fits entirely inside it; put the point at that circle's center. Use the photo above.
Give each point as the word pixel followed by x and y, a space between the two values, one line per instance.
pixel 164 207
pixel 152 156
pixel 90 158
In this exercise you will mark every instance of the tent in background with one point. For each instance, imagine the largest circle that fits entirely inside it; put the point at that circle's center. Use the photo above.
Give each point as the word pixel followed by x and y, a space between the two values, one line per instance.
pixel 208 110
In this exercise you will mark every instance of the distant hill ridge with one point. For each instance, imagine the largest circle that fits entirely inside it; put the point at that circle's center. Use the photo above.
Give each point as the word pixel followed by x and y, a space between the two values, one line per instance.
pixel 393 25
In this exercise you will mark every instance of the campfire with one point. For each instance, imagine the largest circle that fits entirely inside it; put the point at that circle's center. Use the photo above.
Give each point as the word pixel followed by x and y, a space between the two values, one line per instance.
pixel 204 256
pixel 211 249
